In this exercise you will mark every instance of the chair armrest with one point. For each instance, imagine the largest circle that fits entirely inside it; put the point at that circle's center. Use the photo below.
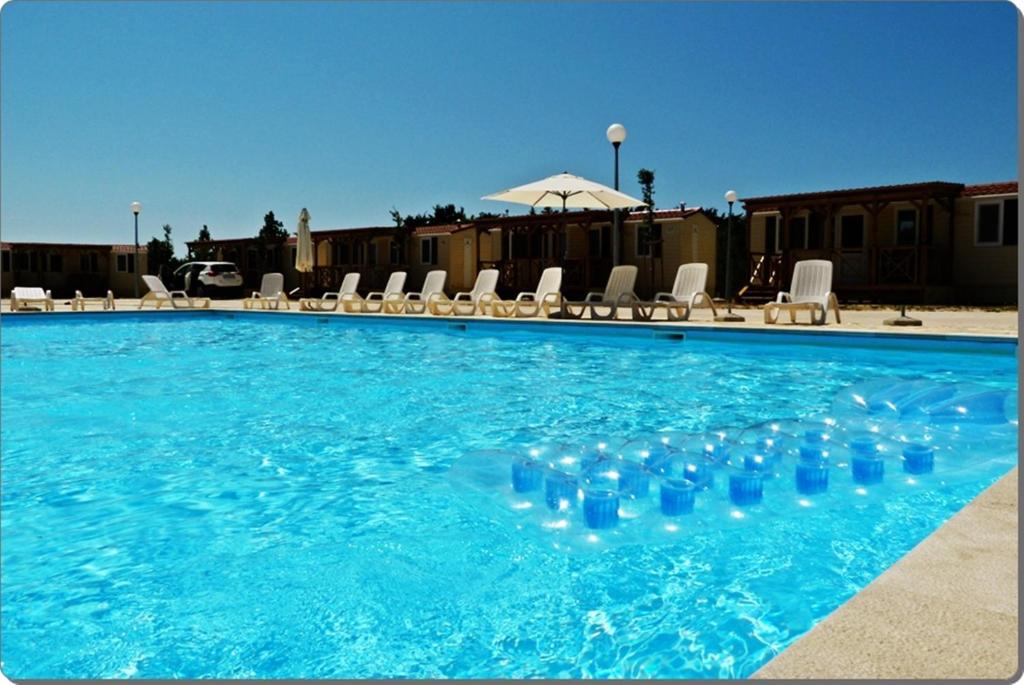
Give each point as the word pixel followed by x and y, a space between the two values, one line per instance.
pixel 463 296
pixel 552 297
pixel 375 295
pixel 783 297
pixel 665 297
pixel 594 295
pixel 413 296
pixel 526 297
pixel 626 298
pixel 329 296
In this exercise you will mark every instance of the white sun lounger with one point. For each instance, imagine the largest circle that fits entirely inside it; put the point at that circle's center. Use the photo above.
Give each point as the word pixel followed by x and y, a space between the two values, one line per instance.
pixel 330 301
pixel 374 301
pixel 467 303
pixel 547 296
pixel 271 294
pixel 30 298
pixel 416 303
pixel 617 293
pixel 80 300
pixel 159 294
pixel 688 291
pixel 811 290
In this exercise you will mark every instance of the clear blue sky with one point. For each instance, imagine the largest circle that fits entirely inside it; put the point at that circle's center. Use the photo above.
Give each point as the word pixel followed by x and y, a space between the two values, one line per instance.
pixel 217 112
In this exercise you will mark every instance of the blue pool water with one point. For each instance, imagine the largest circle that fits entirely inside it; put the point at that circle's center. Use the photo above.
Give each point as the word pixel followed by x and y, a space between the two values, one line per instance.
pixel 196 496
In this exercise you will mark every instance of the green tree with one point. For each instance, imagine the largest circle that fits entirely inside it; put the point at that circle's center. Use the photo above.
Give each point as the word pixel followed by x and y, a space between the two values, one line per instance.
pixel 201 253
pixel 740 265
pixel 272 232
pixel 160 254
pixel 646 234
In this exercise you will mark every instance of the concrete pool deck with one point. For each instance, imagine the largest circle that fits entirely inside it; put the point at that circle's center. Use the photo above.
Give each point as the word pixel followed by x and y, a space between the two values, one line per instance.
pixel 949 608
pixel 938 320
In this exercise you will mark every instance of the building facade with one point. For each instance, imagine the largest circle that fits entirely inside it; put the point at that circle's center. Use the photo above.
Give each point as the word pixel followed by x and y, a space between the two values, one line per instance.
pixel 65 268
pixel 934 242
pixel 520 247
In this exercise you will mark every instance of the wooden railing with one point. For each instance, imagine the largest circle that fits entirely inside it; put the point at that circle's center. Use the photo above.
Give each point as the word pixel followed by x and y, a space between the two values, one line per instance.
pixel 881 267
pixel 327 278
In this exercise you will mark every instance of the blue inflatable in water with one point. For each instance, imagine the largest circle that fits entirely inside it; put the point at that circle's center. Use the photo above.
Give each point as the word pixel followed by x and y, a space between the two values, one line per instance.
pixel 880 438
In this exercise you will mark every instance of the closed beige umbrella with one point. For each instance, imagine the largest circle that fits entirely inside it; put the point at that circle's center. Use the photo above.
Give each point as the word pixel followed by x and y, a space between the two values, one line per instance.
pixel 304 245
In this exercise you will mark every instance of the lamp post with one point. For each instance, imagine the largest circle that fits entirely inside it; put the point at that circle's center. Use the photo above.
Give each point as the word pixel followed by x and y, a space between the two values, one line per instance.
pixel 136 208
pixel 616 133
pixel 730 197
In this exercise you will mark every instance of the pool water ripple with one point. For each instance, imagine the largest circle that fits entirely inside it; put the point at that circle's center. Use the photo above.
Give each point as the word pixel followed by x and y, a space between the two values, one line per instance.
pixel 238 498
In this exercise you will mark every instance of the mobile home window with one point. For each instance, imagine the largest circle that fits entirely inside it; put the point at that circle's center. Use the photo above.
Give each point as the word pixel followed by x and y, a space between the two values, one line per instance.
pixel 339 253
pixel 815 232
pixel 395 252
pixel 88 263
pixel 5 260
pixel 428 250
pixel 594 242
pixel 371 254
pixel 651 247
pixel 1010 222
pixel 771 235
pixel 798 233
pixel 55 263
pixel 126 263
pixel 21 261
pixel 851 232
pixel 906 227
pixel 986 223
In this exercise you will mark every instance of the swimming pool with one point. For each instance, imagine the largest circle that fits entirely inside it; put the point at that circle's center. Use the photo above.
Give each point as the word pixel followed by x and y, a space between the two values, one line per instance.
pixel 202 495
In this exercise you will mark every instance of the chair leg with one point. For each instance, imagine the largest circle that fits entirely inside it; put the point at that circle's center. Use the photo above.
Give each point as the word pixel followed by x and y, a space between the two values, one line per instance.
pixel 834 303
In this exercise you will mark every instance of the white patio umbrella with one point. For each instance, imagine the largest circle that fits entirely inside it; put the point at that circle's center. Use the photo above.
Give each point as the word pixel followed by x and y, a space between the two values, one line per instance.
pixel 565 190
pixel 304 245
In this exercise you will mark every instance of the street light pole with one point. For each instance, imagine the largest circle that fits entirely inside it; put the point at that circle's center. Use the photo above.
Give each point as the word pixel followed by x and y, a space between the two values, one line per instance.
pixel 616 133
pixel 730 197
pixel 136 208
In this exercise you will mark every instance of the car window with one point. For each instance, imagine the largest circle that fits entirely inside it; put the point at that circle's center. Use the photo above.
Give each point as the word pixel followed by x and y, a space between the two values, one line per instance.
pixel 223 268
pixel 181 269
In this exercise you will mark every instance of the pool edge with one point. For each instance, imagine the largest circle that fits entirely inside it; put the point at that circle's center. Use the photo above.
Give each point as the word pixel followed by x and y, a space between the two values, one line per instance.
pixel 947 609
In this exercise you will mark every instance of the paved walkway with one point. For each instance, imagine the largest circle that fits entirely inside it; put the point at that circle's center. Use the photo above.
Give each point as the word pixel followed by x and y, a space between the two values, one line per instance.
pixel 946 610
pixel 945 321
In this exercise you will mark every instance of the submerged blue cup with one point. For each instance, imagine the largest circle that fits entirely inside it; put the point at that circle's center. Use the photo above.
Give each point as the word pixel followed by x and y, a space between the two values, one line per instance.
pixel 918 459
pixel 701 475
pixel 811 479
pixel 677 496
pixel 755 463
pixel 746 488
pixel 558 488
pixel 527 475
pixel 868 470
pixel 813 455
pixel 600 509
pixel 634 480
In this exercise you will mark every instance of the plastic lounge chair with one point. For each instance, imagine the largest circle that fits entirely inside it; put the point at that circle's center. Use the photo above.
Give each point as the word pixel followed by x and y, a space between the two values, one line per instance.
pixel 330 301
pixel 271 294
pixel 547 296
pixel 31 298
pixel 687 292
pixel 811 290
pixel 617 293
pixel 159 294
pixel 416 303
pixel 81 300
pixel 374 301
pixel 467 303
